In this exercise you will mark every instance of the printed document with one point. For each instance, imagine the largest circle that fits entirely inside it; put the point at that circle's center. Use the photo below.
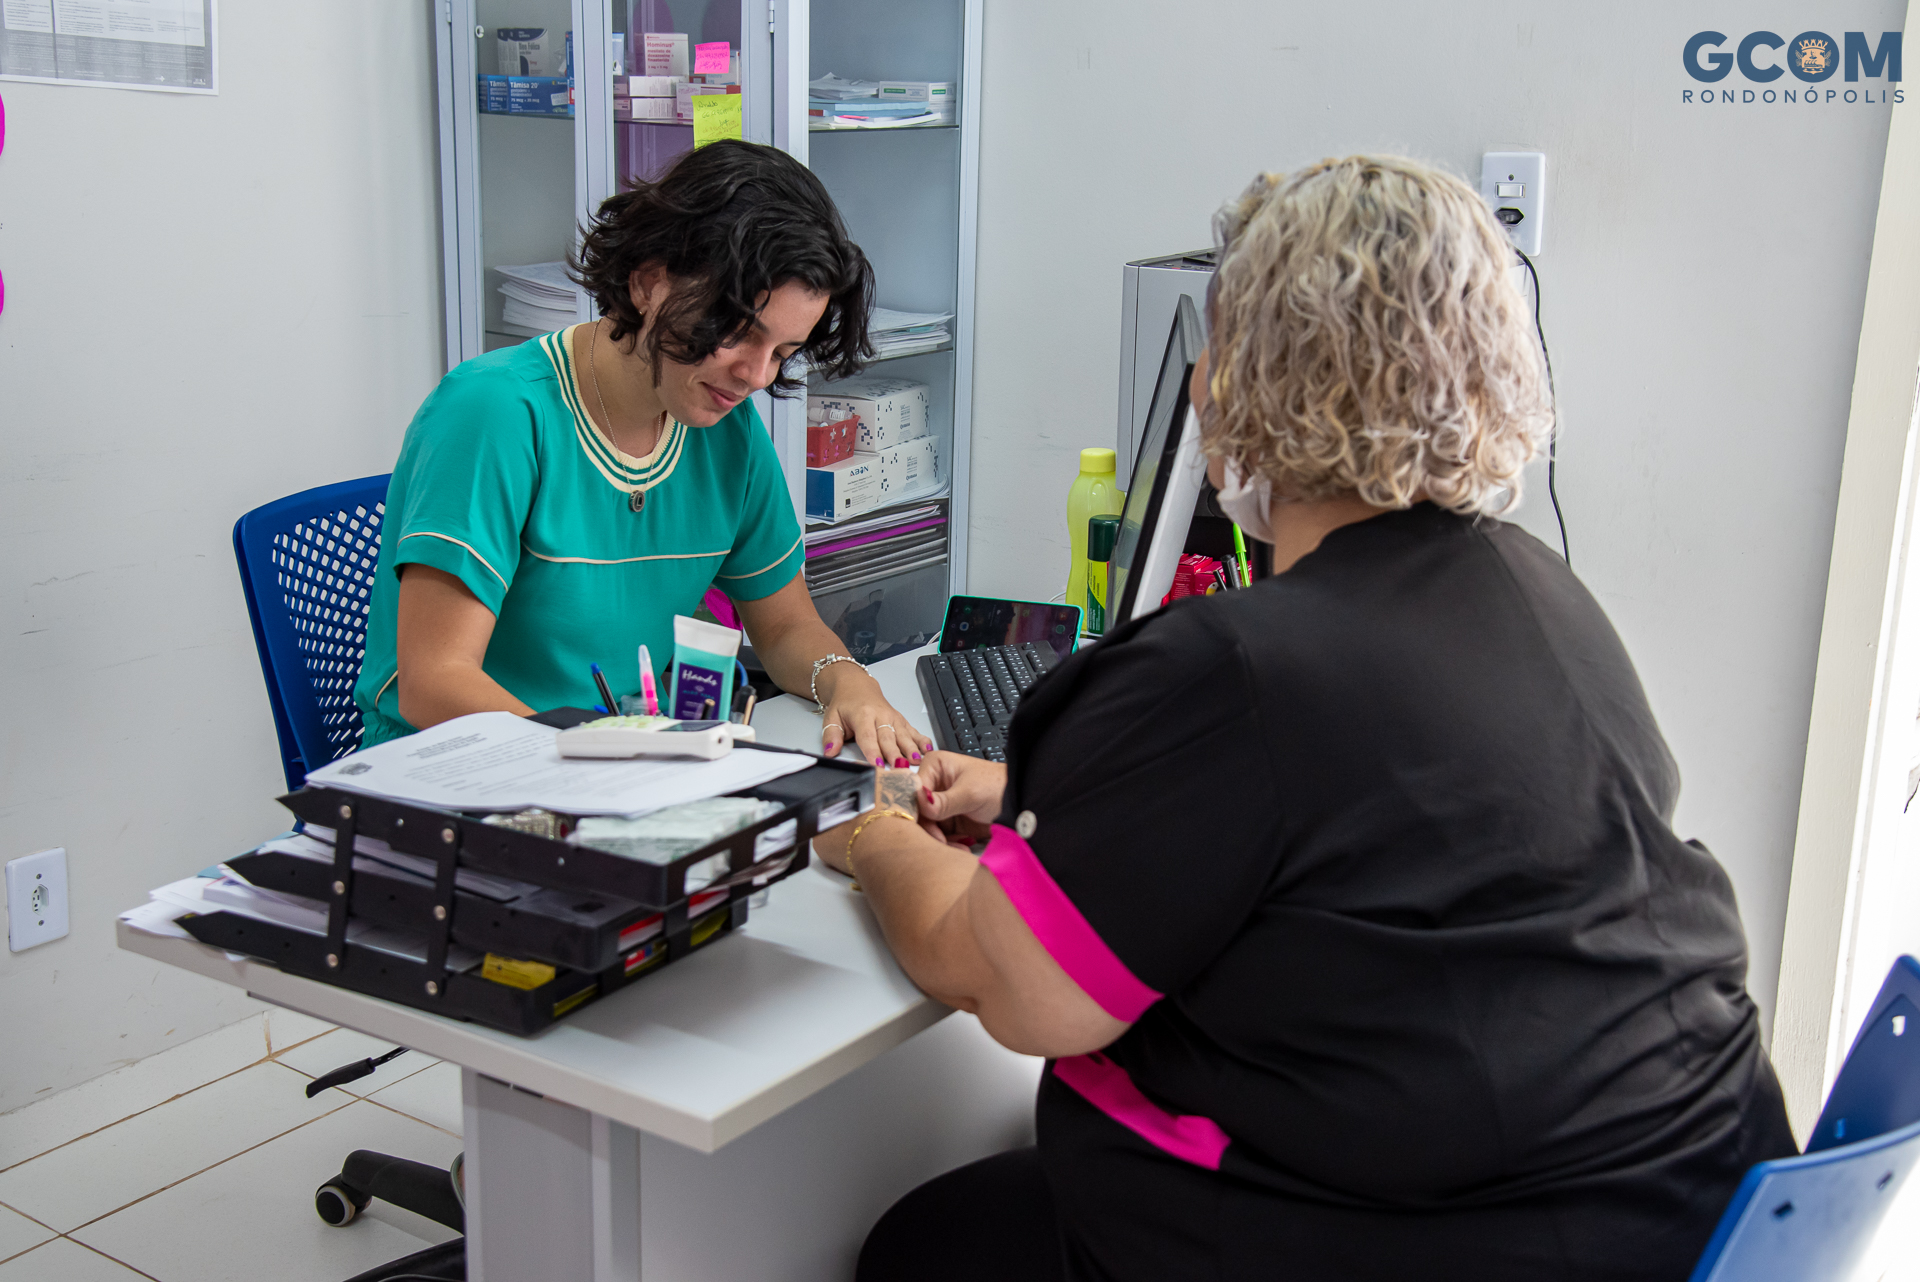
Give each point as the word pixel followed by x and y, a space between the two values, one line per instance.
pixel 497 761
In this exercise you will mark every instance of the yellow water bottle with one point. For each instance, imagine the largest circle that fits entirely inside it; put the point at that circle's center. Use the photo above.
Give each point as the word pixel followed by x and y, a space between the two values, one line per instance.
pixel 1095 492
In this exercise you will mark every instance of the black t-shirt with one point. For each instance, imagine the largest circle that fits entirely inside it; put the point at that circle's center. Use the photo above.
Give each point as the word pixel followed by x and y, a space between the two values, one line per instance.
pixel 1377 854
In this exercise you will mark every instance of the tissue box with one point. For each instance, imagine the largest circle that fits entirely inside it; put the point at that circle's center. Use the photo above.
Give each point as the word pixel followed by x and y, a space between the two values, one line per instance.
pixel 908 469
pixel 891 410
pixel 847 488
pixel 830 442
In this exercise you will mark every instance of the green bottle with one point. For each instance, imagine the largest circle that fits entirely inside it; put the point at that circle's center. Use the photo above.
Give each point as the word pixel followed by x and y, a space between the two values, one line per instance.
pixel 1095 492
pixel 1102 533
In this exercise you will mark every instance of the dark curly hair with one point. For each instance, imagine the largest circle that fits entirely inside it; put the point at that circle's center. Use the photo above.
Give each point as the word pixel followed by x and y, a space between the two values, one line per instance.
pixel 730 222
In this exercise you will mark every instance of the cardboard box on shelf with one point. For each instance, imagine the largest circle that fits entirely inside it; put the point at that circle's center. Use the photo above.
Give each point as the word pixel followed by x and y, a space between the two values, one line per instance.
pixel 658 110
pixel 937 94
pixel 847 488
pixel 907 469
pixel 666 54
pixel 891 410
pixel 645 86
pixel 687 91
pixel 525 95
pixel 527 51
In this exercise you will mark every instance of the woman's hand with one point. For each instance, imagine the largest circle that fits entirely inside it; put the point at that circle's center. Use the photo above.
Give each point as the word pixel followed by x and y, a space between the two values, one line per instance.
pixel 858 712
pixel 892 790
pixel 961 795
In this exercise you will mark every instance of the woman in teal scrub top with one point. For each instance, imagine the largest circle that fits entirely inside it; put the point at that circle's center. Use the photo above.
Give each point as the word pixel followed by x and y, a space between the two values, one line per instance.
pixel 555 504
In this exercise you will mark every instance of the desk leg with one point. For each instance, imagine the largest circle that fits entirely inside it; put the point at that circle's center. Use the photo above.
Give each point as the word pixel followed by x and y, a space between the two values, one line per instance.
pixel 553 1192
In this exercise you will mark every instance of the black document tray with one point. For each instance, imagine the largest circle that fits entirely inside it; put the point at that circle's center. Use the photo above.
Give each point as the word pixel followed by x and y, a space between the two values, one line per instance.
pixel 601 894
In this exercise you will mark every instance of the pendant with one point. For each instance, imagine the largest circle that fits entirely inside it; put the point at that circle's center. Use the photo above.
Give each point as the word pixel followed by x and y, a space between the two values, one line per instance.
pixel 636 500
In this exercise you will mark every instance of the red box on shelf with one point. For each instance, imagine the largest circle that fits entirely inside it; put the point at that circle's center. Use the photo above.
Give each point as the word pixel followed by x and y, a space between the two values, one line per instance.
pixel 828 443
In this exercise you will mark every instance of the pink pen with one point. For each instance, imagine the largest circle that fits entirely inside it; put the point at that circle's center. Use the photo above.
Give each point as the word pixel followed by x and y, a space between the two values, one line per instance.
pixel 647 689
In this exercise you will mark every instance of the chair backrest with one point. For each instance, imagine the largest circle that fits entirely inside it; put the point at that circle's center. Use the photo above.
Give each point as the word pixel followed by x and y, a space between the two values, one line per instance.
pixel 1878 1089
pixel 1809 1218
pixel 307 564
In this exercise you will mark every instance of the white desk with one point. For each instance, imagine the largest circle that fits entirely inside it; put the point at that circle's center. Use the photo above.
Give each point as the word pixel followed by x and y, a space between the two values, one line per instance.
pixel 594 1150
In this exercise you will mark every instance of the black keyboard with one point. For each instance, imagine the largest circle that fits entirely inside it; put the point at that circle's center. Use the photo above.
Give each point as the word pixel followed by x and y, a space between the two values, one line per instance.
pixel 971 694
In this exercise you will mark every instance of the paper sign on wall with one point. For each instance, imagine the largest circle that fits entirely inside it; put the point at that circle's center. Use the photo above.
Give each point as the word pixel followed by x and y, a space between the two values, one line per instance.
pixel 712 59
pixel 716 116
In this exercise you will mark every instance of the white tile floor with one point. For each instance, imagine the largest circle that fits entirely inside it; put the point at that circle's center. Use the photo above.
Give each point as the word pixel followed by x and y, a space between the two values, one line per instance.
pixel 199 1164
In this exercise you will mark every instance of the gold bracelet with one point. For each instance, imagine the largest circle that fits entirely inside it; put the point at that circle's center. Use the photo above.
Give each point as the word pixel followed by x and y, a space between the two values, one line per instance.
pixel 868 818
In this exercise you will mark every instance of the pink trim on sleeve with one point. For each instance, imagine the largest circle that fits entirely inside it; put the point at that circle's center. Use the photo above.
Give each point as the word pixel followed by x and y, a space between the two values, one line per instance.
pixel 1106 1086
pixel 1061 930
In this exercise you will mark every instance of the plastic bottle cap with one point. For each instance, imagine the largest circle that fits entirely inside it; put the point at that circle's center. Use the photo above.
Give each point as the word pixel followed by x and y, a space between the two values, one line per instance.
pixel 1102 533
pixel 1097 460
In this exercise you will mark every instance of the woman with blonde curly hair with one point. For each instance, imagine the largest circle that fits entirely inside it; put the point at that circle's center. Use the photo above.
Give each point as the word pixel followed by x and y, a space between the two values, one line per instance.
pixel 1347 909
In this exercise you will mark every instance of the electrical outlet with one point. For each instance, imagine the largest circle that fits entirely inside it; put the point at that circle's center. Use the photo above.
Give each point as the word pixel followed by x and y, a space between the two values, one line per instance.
pixel 36 899
pixel 1515 184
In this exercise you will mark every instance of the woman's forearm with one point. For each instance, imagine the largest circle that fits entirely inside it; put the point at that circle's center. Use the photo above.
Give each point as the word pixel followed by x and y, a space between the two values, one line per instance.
pixel 918 888
pixel 441 692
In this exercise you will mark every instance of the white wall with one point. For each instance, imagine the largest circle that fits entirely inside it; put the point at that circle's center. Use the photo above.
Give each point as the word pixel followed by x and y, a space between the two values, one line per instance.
pixel 211 302
pixel 1703 276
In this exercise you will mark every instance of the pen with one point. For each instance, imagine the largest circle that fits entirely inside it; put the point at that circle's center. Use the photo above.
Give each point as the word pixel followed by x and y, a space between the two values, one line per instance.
pixel 1220 577
pixel 706 709
pixel 647 690
pixel 1233 574
pixel 1240 556
pixel 746 714
pixel 606 691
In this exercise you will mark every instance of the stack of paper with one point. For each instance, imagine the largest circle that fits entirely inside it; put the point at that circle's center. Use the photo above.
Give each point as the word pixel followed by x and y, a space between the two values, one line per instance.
pixel 831 88
pixel 497 761
pixel 904 333
pixel 539 296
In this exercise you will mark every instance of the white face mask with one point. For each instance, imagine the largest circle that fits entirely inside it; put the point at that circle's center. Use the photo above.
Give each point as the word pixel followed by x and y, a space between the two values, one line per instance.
pixel 1248 503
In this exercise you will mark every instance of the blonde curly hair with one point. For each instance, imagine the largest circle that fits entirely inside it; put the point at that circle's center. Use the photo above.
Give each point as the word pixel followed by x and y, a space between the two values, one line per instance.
pixel 1367 336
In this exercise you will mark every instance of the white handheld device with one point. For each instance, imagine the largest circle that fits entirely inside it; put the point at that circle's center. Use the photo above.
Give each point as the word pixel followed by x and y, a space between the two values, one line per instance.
pixel 623 737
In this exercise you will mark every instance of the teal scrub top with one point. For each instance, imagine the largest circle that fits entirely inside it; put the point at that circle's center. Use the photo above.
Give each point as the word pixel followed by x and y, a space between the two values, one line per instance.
pixel 504 482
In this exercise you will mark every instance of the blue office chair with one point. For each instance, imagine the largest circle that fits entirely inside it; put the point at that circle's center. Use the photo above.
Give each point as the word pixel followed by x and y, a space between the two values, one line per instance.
pixel 1811 1218
pixel 307 563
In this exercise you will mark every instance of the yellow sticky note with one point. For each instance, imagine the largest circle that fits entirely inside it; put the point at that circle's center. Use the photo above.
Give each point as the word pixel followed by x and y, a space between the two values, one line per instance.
pixel 716 116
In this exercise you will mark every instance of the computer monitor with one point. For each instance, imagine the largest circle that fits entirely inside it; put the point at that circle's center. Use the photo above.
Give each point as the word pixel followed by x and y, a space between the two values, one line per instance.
pixel 1167 478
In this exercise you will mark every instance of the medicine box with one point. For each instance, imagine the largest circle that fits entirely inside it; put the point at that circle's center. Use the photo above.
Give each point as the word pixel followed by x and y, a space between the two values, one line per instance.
pixel 937 94
pixel 684 96
pixel 891 410
pixel 665 54
pixel 830 442
pixel 525 95
pixel 659 110
pixel 847 488
pixel 527 51
pixel 907 470
pixel 645 86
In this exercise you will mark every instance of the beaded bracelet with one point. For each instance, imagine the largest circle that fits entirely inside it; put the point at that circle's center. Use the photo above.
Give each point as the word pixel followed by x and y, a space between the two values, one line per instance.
pixel 813 679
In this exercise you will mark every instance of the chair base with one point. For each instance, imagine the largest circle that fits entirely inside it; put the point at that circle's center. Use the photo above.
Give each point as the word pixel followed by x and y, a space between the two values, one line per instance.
pixel 447 1261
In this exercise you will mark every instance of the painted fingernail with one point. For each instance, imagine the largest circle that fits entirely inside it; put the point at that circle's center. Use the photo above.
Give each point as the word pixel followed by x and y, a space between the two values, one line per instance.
pixel 916 756
pixel 928 794
pixel 879 763
pixel 899 763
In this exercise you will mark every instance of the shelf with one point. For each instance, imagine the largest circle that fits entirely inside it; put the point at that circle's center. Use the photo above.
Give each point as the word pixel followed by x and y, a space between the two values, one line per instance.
pixel 822 127
pixel 531 115
pixel 941 491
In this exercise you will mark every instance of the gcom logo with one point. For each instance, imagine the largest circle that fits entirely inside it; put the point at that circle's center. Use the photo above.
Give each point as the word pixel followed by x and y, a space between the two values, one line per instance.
pixel 1812 57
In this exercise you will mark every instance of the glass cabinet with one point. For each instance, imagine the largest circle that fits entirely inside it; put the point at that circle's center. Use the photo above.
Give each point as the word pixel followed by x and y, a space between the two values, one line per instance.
pixel 880 98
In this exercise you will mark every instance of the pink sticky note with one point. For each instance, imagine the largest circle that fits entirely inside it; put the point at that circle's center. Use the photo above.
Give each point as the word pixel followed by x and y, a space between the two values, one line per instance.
pixel 711 59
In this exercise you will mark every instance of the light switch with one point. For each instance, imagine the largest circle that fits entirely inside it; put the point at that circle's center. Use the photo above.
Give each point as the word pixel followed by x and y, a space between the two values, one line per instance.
pixel 1507 190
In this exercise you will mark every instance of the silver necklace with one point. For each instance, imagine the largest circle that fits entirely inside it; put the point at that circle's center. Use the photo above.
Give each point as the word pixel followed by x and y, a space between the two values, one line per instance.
pixel 636 497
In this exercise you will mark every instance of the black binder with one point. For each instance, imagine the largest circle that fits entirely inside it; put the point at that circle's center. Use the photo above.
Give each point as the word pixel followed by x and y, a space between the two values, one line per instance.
pixel 571 914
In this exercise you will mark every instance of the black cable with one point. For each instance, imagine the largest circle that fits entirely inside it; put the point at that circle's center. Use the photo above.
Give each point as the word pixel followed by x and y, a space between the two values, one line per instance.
pixel 1553 435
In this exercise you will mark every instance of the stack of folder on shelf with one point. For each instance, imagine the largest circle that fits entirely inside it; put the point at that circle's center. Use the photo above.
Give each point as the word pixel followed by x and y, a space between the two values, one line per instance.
pixel 896 333
pixel 855 553
pixel 538 297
